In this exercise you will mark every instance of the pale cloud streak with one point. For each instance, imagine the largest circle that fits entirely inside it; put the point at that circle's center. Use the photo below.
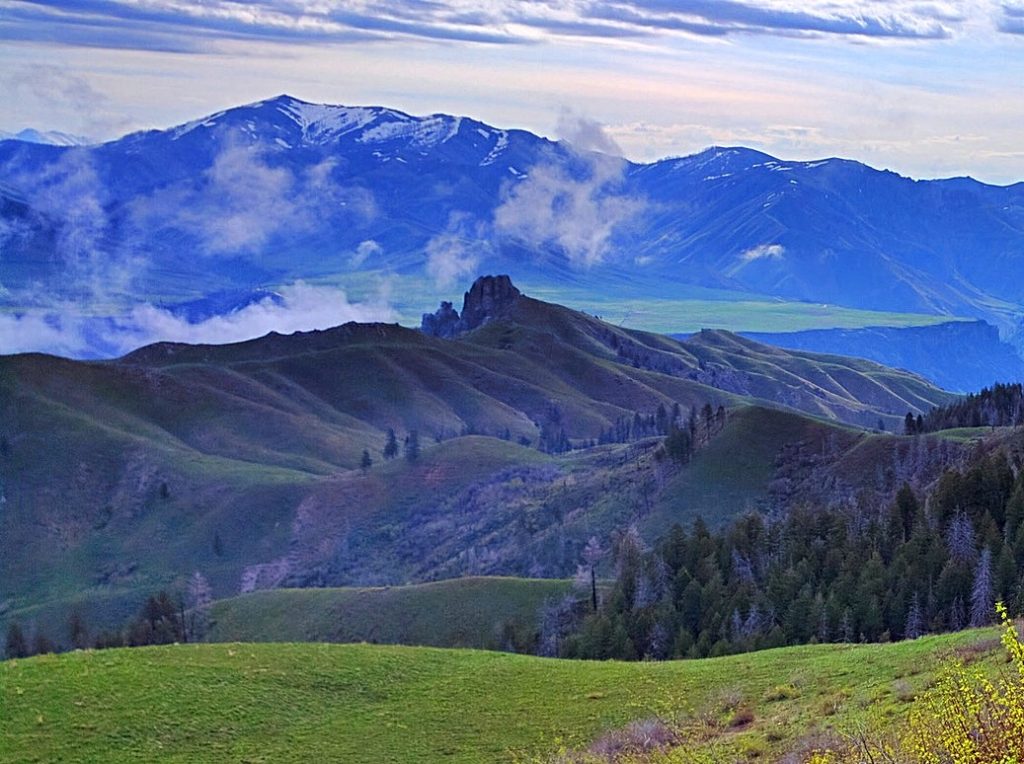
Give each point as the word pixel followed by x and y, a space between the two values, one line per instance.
pixel 63 329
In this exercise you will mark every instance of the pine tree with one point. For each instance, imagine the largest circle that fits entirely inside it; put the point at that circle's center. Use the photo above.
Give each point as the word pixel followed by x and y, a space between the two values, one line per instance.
pixel 16 645
pixel 592 554
pixel 391 446
pixel 366 462
pixel 78 632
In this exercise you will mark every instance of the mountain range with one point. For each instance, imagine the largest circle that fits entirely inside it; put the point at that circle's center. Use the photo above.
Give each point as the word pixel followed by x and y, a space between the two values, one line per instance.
pixel 236 204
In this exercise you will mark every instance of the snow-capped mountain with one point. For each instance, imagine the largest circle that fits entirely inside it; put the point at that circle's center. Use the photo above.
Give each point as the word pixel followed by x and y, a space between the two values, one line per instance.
pixel 45 137
pixel 282 190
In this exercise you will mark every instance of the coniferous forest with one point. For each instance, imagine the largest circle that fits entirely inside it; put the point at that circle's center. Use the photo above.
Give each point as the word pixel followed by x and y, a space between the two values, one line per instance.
pixel 924 564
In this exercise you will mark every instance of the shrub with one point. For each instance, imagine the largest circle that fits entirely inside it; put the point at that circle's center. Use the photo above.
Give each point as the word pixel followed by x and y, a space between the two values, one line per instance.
pixel 963 718
pixel 967 718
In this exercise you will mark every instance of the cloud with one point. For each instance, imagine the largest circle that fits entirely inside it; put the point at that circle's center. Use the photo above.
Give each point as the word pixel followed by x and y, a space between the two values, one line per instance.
pixel 66 330
pixel 585 134
pixel 763 252
pixel 1012 19
pixel 242 201
pixel 238 205
pixel 365 250
pixel 454 254
pixel 898 19
pixel 69 195
pixel 576 203
pixel 182 27
pixel 42 85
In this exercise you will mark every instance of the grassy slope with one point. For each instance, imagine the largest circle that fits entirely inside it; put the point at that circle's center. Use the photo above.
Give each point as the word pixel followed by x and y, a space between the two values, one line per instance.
pixel 732 473
pixel 374 704
pixel 467 612
pixel 245 435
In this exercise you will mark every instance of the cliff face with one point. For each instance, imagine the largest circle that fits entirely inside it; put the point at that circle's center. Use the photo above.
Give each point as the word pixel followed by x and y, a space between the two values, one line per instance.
pixel 960 356
pixel 489 298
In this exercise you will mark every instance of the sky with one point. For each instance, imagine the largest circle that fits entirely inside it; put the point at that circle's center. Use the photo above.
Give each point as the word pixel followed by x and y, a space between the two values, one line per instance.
pixel 929 88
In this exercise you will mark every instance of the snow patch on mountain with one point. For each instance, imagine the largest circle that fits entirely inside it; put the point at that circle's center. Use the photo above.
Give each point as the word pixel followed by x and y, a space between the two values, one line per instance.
pixel 321 122
pixel 499 148
pixel 427 131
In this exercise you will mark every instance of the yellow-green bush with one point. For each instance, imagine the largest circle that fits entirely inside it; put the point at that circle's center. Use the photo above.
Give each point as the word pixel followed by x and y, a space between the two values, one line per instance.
pixel 967 718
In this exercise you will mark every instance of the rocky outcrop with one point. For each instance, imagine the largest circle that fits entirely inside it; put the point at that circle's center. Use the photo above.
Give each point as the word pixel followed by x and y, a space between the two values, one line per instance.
pixel 442 323
pixel 489 298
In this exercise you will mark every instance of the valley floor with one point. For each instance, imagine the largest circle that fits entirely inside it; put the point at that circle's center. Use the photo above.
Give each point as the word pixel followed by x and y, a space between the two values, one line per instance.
pixel 375 704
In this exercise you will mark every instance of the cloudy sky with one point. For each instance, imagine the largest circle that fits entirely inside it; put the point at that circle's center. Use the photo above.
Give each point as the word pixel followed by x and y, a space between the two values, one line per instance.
pixel 929 88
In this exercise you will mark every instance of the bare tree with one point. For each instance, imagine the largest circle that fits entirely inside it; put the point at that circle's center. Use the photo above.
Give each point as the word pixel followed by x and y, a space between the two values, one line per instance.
pixel 200 597
pixel 983 599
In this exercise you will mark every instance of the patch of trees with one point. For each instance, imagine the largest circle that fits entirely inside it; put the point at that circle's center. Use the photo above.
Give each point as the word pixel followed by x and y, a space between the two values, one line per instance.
pixel 1002 405
pixel 814 575
pixel 684 433
pixel 162 619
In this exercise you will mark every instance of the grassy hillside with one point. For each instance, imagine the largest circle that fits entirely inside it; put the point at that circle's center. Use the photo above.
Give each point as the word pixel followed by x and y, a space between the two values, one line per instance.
pixel 375 704
pixel 241 461
pixel 467 612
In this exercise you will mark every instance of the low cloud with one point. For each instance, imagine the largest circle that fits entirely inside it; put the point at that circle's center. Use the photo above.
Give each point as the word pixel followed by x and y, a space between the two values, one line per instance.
pixel 585 134
pixel 454 253
pixel 575 204
pixel 68 194
pixel 98 258
pixel 64 329
pixel 763 252
pixel 242 201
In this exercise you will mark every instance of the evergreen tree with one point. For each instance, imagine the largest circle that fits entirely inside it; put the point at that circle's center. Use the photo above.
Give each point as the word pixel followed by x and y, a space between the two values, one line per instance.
pixel 366 462
pixel 390 446
pixel 42 644
pixel 16 645
pixel 78 632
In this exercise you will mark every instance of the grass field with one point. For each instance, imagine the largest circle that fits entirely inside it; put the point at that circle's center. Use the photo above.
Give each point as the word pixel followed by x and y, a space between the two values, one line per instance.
pixel 465 612
pixel 376 704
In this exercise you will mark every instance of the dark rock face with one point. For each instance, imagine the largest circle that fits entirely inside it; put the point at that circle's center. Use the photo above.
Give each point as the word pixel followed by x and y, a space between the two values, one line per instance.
pixel 443 323
pixel 489 298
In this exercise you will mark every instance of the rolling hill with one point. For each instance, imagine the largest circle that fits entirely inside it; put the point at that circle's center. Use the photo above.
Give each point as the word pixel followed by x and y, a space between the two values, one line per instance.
pixel 367 703
pixel 242 461
pixel 471 612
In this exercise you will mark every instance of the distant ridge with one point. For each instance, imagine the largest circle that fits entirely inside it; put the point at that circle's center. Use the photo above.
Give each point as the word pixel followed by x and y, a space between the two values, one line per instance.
pixel 343 192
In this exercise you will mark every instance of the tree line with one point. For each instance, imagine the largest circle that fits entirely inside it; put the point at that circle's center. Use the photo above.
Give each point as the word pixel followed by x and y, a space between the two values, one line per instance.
pixel 1002 405
pixel 813 575
pixel 161 620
